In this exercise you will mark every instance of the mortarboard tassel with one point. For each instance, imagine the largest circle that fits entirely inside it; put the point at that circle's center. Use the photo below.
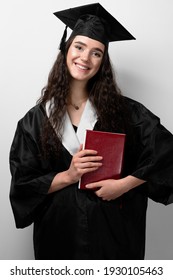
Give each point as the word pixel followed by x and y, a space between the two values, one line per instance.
pixel 63 40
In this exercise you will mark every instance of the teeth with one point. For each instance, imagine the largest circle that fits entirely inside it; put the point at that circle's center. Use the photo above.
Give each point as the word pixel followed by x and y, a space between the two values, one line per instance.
pixel 82 67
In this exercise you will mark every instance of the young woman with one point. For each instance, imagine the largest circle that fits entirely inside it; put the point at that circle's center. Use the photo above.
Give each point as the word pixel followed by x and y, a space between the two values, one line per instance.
pixel 106 221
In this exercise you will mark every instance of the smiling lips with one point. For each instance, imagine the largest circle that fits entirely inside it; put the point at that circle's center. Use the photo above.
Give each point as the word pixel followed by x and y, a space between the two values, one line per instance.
pixel 82 67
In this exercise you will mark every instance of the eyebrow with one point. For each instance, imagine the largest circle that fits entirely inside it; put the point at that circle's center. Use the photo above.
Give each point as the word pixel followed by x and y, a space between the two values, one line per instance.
pixel 83 44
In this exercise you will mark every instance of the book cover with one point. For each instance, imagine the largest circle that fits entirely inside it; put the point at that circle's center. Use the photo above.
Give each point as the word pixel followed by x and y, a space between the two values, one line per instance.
pixel 111 147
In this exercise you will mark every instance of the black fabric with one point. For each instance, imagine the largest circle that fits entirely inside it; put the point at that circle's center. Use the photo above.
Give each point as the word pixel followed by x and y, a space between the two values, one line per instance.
pixel 94 22
pixel 75 128
pixel 76 224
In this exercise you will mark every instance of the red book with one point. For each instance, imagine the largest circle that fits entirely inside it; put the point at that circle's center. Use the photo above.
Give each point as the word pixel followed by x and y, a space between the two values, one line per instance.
pixel 111 147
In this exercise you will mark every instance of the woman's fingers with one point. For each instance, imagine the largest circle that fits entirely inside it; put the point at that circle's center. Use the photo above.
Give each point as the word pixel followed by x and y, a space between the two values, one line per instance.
pixel 89 159
pixel 84 161
pixel 83 153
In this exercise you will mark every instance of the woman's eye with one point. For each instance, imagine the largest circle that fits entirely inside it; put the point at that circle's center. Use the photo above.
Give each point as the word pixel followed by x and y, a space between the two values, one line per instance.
pixel 78 47
pixel 97 54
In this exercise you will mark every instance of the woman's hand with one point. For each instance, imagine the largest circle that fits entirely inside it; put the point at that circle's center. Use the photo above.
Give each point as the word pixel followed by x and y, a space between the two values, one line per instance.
pixel 83 161
pixel 107 189
pixel 111 189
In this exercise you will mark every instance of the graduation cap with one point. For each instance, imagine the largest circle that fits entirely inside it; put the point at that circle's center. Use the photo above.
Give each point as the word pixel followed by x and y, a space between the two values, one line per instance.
pixel 94 22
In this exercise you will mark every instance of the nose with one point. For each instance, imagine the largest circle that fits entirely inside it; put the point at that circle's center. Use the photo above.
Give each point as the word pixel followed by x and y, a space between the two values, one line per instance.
pixel 85 56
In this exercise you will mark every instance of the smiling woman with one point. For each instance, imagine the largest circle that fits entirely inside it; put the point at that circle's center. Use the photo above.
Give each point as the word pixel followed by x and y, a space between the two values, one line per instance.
pixel 107 220
pixel 84 58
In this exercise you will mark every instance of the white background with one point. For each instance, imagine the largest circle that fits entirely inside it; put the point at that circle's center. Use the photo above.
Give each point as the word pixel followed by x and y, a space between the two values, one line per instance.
pixel 29 39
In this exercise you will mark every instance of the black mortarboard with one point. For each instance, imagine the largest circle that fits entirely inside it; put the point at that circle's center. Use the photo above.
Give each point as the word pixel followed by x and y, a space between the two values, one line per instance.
pixel 94 22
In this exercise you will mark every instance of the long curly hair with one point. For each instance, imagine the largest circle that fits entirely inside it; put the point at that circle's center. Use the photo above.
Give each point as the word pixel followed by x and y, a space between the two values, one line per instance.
pixel 104 94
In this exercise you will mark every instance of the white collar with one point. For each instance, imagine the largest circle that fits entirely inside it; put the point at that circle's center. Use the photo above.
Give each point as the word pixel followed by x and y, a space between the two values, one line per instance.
pixel 71 140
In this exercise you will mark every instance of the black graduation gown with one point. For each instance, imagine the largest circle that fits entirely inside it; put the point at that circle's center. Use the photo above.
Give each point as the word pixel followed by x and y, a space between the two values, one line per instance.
pixel 76 224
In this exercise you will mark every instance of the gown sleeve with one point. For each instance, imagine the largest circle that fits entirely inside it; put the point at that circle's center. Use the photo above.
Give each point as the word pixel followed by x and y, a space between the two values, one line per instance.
pixel 31 177
pixel 155 160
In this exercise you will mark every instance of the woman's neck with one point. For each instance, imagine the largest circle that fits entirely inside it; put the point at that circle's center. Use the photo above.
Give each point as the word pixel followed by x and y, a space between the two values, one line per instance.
pixel 76 101
pixel 78 91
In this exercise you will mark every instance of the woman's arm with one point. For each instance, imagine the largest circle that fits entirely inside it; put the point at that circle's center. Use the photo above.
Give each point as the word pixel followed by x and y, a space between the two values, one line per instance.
pixel 111 189
pixel 83 161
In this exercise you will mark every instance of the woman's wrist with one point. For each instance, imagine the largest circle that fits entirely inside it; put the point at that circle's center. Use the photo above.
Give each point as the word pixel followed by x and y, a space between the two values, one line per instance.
pixel 129 182
pixel 60 181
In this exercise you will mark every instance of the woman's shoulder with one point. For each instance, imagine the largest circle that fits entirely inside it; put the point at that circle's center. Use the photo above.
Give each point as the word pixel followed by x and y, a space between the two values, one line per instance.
pixel 139 112
pixel 131 103
pixel 33 118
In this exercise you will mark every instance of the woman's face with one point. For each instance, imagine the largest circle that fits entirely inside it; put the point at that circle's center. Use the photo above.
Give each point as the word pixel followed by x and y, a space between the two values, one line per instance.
pixel 84 58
